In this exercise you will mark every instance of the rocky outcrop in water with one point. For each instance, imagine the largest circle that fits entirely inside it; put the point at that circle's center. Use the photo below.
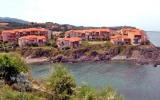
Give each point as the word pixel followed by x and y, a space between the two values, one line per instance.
pixel 148 54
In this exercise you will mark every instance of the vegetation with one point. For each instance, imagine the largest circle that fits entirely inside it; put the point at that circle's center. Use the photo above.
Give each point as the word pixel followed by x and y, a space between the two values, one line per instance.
pixel 89 93
pixel 7 93
pixel 60 86
pixel 10 66
pixel 62 83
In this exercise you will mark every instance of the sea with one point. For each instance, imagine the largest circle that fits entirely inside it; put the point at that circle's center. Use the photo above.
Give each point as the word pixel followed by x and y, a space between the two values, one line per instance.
pixel 132 81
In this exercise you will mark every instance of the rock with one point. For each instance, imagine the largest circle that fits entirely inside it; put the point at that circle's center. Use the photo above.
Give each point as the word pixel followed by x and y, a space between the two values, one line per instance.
pixel 21 82
pixel 94 53
pixel 145 54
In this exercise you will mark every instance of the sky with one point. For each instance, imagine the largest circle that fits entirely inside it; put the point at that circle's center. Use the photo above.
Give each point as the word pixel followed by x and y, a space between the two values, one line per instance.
pixel 144 14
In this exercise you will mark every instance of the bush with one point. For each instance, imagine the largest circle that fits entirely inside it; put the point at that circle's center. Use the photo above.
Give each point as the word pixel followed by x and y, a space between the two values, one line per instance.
pixel 52 43
pixel 108 44
pixel 109 94
pixel 6 93
pixel 85 44
pixel 88 93
pixel 61 83
pixel 11 65
pixel 85 93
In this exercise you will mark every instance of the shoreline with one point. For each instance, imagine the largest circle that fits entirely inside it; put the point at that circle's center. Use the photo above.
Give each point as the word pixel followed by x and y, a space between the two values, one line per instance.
pixel 46 60
pixel 142 55
pixel 118 58
pixel 36 60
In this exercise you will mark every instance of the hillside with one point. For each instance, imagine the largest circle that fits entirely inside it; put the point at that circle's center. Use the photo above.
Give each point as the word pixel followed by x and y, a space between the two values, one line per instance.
pixel 13 20
pixel 19 23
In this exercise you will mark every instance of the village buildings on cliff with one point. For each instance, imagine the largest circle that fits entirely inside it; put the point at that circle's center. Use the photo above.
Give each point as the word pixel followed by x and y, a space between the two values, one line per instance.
pixel 24 37
pixel 73 38
pixel 128 36
pixel 71 42
pixel 90 34
pixel 32 40
pixel 124 36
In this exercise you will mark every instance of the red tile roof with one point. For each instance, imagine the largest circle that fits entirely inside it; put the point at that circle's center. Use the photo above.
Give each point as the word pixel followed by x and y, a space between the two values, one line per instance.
pixel 33 37
pixel 72 39
pixel 89 30
pixel 24 30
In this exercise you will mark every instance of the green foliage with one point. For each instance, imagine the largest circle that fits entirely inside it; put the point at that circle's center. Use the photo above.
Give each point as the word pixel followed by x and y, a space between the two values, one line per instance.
pixel 108 44
pixel 88 93
pixel 11 64
pixel 62 83
pixel 52 43
pixel 85 93
pixel 6 93
pixel 85 44
pixel 109 94
pixel 4 46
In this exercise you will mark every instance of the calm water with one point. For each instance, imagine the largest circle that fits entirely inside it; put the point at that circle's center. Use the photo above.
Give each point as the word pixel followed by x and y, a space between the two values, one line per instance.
pixel 154 37
pixel 134 82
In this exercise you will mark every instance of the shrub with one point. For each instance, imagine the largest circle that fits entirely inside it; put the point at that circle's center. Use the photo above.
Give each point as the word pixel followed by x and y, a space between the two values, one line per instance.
pixel 52 43
pixel 89 93
pixel 66 48
pixel 11 65
pixel 6 93
pixel 85 44
pixel 108 44
pixel 85 93
pixel 109 94
pixel 61 83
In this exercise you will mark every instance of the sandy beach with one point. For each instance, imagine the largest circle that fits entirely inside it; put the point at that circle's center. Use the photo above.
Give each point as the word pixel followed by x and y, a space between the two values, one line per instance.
pixel 36 60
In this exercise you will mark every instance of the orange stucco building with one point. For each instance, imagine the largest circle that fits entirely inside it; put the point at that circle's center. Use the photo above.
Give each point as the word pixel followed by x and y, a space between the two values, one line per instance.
pixel 129 36
pixel 32 40
pixel 71 42
pixel 14 35
pixel 90 34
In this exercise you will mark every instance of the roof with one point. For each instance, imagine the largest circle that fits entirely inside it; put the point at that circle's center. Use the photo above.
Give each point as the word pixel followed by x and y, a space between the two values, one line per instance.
pixel 89 30
pixel 33 37
pixel 72 39
pixel 133 31
pixel 24 30
pixel 119 36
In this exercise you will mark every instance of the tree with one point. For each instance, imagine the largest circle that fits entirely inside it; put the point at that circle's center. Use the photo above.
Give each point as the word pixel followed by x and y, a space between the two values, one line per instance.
pixel 62 83
pixel 11 65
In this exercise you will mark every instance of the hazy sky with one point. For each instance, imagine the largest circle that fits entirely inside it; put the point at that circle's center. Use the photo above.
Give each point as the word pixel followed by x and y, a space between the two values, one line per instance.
pixel 144 14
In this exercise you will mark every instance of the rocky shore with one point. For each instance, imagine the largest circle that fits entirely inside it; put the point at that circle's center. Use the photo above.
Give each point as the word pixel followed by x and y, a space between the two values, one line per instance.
pixel 141 55
pixel 145 54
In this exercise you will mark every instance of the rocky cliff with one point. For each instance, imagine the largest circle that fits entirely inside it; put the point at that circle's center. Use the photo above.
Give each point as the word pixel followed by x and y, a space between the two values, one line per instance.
pixel 144 54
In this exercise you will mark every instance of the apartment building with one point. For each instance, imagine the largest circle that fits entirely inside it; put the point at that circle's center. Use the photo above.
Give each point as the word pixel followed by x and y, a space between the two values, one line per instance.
pixel 129 36
pixel 32 40
pixel 90 34
pixel 14 35
pixel 72 42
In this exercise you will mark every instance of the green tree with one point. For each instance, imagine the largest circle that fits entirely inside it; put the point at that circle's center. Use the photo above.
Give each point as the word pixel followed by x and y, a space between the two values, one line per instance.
pixel 11 65
pixel 62 83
